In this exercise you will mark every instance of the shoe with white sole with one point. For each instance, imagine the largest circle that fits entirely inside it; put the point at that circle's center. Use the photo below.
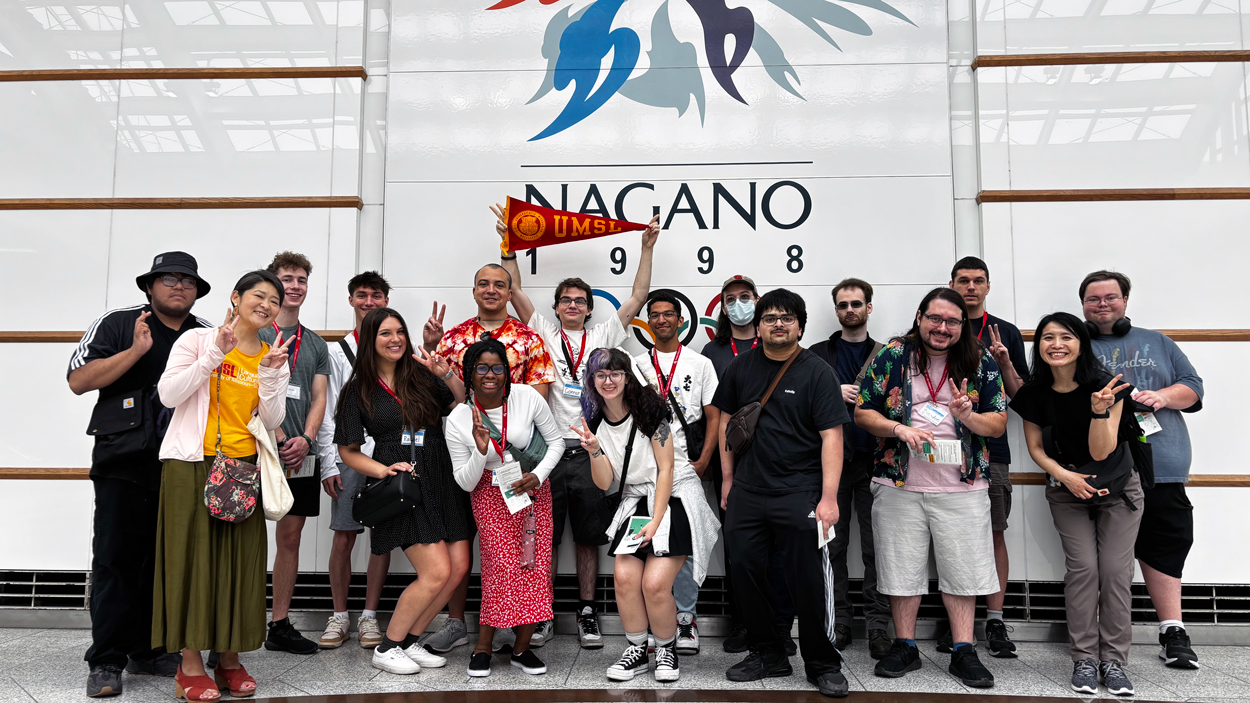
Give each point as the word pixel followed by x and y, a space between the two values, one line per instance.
pixel 452 634
pixel 1114 678
pixel 588 635
pixel 1085 676
pixel 368 631
pixel 666 665
pixel 687 634
pixel 395 661
pixel 529 662
pixel 424 657
pixel 543 633
pixel 633 661
pixel 479 665
pixel 504 639
pixel 335 634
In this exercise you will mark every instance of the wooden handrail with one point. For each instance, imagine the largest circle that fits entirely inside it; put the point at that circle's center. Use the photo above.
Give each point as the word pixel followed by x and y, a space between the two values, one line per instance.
pixel 1111 195
pixel 1187 335
pixel 203 73
pixel 1105 57
pixel 292 201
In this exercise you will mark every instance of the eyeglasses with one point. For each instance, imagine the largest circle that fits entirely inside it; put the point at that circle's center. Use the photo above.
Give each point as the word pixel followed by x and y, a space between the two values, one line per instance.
pixel 170 280
pixel 613 376
pixel 1108 299
pixel 939 321
pixel 570 302
pixel 845 304
pixel 497 369
pixel 667 315
pixel 770 320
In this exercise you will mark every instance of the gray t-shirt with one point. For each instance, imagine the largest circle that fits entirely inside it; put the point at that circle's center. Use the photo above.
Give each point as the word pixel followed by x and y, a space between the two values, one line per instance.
pixel 313 360
pixel 1151 361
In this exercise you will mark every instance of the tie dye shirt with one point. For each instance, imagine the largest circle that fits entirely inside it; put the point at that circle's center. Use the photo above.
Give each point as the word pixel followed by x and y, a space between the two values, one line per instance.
pixel 528 359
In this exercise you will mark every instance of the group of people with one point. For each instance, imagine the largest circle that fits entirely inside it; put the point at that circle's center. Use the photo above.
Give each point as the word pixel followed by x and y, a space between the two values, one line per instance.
pixel 507 424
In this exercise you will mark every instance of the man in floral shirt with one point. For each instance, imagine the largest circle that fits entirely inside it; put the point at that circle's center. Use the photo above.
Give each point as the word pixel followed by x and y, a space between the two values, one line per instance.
pixel 932 398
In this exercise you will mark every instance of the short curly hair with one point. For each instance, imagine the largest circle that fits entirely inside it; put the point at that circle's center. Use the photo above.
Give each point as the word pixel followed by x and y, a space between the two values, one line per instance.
pixel 289 260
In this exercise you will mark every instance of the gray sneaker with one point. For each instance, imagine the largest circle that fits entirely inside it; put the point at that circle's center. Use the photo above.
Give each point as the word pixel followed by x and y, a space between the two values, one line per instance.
pixel 504 639
pixel 1114 678
pixel 1085 676
pixel 452 634
pixel 104 680
pixel 544 632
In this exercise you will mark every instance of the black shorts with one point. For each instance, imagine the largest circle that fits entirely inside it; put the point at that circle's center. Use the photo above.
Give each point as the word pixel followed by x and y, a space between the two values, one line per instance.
pixel 307 494
pixel 574 493
pixel 680 544
pixel 1167 529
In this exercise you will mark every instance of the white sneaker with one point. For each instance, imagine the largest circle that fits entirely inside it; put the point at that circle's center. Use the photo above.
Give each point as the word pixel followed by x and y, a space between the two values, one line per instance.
pixel 395 661
pixel 687 634
pixel 335 634
pixel 368 631
pixel 504 638
pixel 425 658
pixel 544 632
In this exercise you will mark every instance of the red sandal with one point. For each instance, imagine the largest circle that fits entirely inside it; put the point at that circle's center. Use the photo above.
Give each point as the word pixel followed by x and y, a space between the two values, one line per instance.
pixel 237 681
pixel 195 688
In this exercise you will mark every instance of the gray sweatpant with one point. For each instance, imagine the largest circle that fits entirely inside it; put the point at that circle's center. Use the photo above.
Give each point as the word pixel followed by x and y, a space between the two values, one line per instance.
pixel 1098 537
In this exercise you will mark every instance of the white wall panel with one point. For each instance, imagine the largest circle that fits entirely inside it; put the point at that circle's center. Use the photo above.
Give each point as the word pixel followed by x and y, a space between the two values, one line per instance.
pixel 45 424
pixel 57 139
pixel 1058 26
pixel 62 541
pixel 35 245
pixel 1128 126
pixel 41 34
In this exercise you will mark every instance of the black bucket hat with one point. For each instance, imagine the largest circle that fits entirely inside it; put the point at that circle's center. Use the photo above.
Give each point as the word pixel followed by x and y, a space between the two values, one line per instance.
pixel 174 262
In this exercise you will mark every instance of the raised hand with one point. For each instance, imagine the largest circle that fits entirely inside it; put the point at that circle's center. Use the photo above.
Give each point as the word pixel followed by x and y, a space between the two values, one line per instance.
pixel 998 350
pixel 961 404
pixel 226 340
pixel 1100 401
pixel 652 233
pixel 481 435
pixel 432 333
pixel 277 356
pixel 434 362
pixel 501 225
pixel 143 335
pixel 589 441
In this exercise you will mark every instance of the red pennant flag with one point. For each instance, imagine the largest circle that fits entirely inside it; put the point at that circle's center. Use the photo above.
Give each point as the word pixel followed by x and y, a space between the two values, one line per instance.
pixel 532 226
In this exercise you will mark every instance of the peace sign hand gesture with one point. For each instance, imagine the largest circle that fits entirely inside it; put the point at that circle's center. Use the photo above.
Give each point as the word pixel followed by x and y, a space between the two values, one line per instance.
pixel 277 356
pixel 998 350
pixel 961 403
pixel 432 333
pixel 435 363
pixel 226 340
pixel 589 441
pixel 1100 401
pixel 481 435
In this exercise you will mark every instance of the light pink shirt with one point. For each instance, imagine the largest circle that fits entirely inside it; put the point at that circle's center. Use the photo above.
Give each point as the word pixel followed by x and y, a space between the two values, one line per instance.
pixel 923 477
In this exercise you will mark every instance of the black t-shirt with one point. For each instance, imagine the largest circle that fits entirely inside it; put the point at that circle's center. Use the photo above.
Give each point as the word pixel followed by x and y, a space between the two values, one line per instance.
pixel 1069 414
pixel 108 336
pixel 847 358
pixel 1000 449
pixel 722 355
pixel 785 455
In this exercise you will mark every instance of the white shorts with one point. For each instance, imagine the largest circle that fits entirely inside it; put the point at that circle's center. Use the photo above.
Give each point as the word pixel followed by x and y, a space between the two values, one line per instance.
pixel 903 522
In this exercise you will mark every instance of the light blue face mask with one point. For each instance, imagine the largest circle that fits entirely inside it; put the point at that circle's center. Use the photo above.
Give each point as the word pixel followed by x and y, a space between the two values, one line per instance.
pixel 740 312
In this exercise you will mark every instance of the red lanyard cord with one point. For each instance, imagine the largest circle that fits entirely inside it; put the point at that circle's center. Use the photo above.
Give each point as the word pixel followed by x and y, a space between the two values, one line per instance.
pixel 942 380
pixel 665 384
pixel 503 433
pixel 299 337
pixel 734 345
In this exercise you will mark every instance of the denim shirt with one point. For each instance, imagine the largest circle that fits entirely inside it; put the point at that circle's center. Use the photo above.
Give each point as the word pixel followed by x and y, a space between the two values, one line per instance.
pixel 887 389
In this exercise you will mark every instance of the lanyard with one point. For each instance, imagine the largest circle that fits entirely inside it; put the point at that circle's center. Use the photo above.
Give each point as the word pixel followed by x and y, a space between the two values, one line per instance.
pixel 665 384
pixel 568 353
pixel 985 317
pixel 356 338
pixel 927 382
pixel 503 433
pixel 388 390
pixel 299 335
pixel 734 345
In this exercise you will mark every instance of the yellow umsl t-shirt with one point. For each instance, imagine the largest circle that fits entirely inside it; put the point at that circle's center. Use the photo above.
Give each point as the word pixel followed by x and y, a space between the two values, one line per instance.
pixel 240 394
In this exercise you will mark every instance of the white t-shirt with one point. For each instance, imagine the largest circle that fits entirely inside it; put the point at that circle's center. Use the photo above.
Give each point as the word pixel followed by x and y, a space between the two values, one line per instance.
pixel 694 384
pixel 614 438
pixel 340 372
pixel 566 405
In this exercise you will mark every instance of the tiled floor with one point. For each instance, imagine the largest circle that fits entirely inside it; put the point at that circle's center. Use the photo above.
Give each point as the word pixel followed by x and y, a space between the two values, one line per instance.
pixel 45 666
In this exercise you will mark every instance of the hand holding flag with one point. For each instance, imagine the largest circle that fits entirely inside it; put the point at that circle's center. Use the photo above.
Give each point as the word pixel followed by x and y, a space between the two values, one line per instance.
pixel 526 226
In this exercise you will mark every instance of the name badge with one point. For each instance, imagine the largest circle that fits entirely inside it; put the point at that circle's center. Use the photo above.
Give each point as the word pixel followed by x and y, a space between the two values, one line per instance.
pixel 292 392
pixel 932 413
pixel 419 438
pixel 407 439
pixel 1149 423
pixel 572 390
pixel 305 470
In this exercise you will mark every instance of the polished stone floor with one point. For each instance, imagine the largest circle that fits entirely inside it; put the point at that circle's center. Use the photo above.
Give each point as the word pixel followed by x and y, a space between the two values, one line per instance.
pixel 45 666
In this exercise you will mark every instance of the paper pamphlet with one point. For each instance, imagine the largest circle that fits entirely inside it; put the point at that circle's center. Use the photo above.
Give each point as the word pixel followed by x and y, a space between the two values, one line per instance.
pixel 509 474
pixel 633 535
pixel 941 451
pixel 821 539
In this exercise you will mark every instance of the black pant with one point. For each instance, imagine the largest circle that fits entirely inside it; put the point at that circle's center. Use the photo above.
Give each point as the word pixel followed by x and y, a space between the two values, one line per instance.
pixel 855 490
pixel 779 594
pixel 755 527
pixel 122 572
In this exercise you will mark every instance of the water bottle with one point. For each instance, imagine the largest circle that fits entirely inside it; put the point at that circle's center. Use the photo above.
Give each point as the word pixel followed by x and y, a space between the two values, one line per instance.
pixel 529 536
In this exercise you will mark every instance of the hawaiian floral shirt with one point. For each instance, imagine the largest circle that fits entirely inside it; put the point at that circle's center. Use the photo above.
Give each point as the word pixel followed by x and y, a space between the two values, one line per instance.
pixel 887 389
pixel 528 360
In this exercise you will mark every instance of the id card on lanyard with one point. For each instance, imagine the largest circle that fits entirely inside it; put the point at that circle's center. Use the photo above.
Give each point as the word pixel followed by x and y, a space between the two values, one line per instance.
pixel 572 389
pixel 931 411
pixel 292 390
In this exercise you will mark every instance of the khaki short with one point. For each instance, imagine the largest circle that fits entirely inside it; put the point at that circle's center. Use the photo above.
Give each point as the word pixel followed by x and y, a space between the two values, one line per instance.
pixel 1000 496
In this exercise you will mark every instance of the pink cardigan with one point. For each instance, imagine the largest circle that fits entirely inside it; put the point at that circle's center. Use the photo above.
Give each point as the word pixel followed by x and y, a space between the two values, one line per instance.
pixel 184 387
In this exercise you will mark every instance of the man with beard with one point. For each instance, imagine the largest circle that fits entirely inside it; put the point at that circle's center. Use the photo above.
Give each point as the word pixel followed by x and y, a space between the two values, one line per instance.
pixel 686 380
pixel 122 355
pixel 783 491
pixel 848 351
pixel 935 395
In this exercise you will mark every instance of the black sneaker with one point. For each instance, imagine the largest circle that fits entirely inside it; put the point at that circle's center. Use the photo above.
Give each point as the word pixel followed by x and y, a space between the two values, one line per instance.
pixel 757 666
pixel 104 680
pixel 841 637
pixel 1177 651
pixel 529 662
pixel 783 633
pixel 588 635
pixel 479 665
pixel 283 637
pixel 736 641
pixel 633 661
pixel 996 639
pixel 967 667
pixel 831 683
pixel 901 659
pixel 164 664
pixel 213 656
pixel 945 641
pixel 878 643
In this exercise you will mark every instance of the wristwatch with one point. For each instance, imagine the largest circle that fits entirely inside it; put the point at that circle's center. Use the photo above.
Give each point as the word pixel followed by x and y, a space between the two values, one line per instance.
pixel 447 376
pixel 1104 415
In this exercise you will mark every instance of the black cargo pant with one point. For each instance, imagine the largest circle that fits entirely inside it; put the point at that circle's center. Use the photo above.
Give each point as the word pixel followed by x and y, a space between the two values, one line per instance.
pixel 756 525
pixel 122 572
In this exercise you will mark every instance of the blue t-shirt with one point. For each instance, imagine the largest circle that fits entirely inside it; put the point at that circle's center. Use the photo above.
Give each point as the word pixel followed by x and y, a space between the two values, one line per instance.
pixel 1151 361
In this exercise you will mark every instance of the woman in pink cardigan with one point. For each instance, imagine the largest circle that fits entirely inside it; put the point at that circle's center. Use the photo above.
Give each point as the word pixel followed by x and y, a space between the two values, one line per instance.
pixel 210 574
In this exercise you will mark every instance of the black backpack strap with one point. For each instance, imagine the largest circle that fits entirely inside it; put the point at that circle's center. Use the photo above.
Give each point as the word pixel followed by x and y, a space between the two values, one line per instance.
pixel 347 351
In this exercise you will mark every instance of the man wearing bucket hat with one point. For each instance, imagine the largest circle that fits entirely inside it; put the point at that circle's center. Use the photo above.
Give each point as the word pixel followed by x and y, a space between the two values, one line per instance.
pixel 122 355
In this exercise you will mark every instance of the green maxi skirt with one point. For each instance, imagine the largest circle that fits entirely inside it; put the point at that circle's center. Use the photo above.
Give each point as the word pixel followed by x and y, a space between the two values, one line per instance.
pixel 210 574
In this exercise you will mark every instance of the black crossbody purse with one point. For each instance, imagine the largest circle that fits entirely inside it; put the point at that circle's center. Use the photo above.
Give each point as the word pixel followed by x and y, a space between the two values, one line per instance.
pixel 388 497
